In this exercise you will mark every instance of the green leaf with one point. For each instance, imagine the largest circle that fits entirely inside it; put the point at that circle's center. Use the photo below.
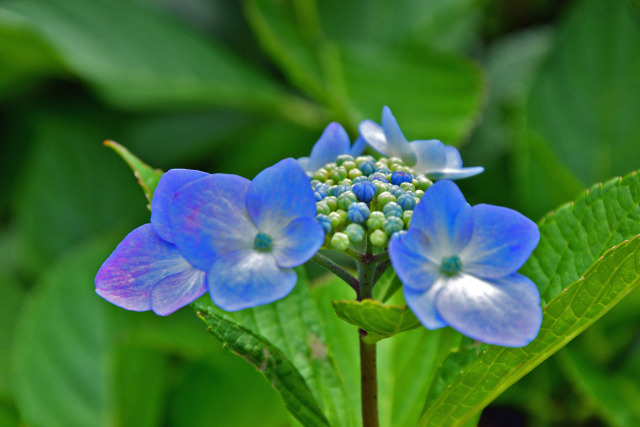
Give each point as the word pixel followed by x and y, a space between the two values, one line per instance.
pixel 147 177
pixel 269 360
pixel 577 234
pixel 586 98
pixel 11 299
pixel 387 285
pixel 475 385
pixel 378 319
pixel 69 367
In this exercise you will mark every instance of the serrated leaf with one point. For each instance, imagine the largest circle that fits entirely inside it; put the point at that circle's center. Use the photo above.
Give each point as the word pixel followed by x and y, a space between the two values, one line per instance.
pixel 378 319
pixel 148 177
pixel 269 360
pixel 612 277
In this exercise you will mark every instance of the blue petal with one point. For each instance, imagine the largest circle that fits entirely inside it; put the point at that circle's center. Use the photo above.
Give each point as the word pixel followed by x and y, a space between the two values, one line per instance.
pixel 439 161
pixel 245 279
pixel 374 135
pixel 278 195
pixel 140 261
pixel 502 241
pixel 208 217
pixel 358 147
pixel 333 142
pixel 170 182
pixel 298 242
pixel 395 138
pixel 504 312
pixel 422 303
pixel 412 261
pixel 178 290
pixel 445 217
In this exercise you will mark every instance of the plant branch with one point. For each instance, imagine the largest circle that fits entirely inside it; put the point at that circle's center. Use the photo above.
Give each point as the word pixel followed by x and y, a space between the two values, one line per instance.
pixel 333 267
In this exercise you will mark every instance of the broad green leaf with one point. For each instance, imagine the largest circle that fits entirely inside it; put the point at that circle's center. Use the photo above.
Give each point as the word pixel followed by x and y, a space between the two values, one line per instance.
pixel 477 383
pixel 11 298
pixel 147 177
pixel 69 368
pixel 269 360
pixel 613 393
pixel 378 319
pixel 577 234
pixel 586 98
pixel 136 57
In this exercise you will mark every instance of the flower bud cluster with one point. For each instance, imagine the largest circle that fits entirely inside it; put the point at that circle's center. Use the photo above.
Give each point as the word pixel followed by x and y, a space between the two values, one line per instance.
pixel 365 198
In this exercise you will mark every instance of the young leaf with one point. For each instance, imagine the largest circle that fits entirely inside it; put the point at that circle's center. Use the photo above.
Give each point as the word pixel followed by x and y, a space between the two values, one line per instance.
pixel 147 176
pixel 477 383
pixel 388 284
pixel 380 320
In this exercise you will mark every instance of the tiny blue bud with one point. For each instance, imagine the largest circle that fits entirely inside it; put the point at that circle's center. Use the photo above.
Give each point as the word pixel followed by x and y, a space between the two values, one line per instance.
pixel 319 194
pixel 337 190
pixel 325 222
pixel 396 190
pixel 367 168
pixel 366 158
pixel 364 191
pixel 379 177
pixel 342 158
pixel 360 178
pixel 398 177
pixel 262 242
pixel 392 209
pixel 355 232
pixel 383 170
pixel 358 212
pixel 392 225
pixel 407 201
pixel 451 265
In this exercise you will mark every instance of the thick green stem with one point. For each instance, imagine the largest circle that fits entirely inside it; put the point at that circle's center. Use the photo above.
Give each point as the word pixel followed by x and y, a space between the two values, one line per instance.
pixel 325 262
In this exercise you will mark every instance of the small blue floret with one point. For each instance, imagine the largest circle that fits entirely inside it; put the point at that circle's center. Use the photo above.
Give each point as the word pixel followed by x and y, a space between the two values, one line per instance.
pixel 364 191
pixel 392 209
pixel 358 212
pixel 406 201
pixel 325 222
pixel 398 177
pixel 367 168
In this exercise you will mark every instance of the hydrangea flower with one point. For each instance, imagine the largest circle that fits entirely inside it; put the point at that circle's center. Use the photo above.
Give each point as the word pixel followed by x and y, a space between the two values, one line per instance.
pixel 247 235
pixel 430 157
pixel 333 142
pixel 146 271
pixel 459 268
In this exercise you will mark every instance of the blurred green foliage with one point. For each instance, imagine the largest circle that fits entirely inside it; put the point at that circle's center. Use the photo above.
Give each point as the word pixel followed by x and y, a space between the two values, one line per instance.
pixel 545 95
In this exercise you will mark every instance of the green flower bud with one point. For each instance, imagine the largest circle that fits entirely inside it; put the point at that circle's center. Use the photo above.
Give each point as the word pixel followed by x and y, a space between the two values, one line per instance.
pixel 345 200
pixel 349 164
pixel 396 161
pixel 321 175
pixel 340 241
pixel 330 166
pixel 381 187
pixel 346 181
pixel 355 232
pixel 329 182
pixel 323 208
pixel 343 216
pixel 419 194
pixel 332 202
pixel 339 173
pixel 407 186
pixel 335 220
pixel 342 158
pixel 379 238
pixel 406 218
pixel 376 220
pixel 424 183
pixel 363 159
pixel 392 225
pixel 355 172
pixel 385 198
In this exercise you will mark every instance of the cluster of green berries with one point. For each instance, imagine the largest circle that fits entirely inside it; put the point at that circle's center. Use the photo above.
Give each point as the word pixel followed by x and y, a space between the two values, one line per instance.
pixel 364 198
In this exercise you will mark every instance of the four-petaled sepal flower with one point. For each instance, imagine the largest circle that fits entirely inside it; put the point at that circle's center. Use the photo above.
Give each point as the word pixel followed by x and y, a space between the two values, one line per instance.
pixel 459 268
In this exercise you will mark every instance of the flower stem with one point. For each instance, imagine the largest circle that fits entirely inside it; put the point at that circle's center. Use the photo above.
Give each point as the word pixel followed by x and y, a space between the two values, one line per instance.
pixel 325 262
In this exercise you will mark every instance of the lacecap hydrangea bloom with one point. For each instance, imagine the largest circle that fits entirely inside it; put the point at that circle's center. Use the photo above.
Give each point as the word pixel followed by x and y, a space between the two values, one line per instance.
pixel 333 142
pixel 237 239
pixel 459 268
pixel 428 157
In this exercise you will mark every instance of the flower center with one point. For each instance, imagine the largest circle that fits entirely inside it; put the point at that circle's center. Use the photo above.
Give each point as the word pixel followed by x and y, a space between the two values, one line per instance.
pixel 262 242
pixel 451 265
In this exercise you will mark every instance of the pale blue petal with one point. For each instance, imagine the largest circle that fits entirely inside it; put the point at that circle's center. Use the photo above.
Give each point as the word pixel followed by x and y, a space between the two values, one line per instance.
pixel 454 173
pixel 431 155
pixel 412 260
pixel 502 241
pixel 453 159
pixel 304 163
pixel 398 144
pixel 504 311
pixel 140 261
pixel 358 147
pixel 422 303
pixel 444 216
pixel 245 279
pixel 178 290
pixel 208 217
pixel 333 142
pixel 298 242
pixel 278 195
pixel 374 135
pixel 170 182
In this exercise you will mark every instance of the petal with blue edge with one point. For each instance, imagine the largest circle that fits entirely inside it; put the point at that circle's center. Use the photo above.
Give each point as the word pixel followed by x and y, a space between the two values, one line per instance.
pixel 170 182
pixel 333 142
pixel 502 241
pixel 278 195
pixel 398 144
pixel 140 261
pixel 245 279
pixel 504 312
pixel 208 217
pixel 298 242
pixel 412 261
pixel 422 303
pixel 375 137
pixel 177 290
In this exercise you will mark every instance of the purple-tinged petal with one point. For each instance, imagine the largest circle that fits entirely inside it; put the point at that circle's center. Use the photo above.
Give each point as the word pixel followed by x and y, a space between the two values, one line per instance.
pixel 502 241
pixel 208 217
pixel 358 147
pixel 140 261
pixel 445 217
pixel 504 311
pixel 170 182
pixel 298 242
pixel 333 142
pixel 412 261
pixel 178 290
pixel 374 135
pixel 278 195
pixel 422 303
pixel 398 144
pixel 245 279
